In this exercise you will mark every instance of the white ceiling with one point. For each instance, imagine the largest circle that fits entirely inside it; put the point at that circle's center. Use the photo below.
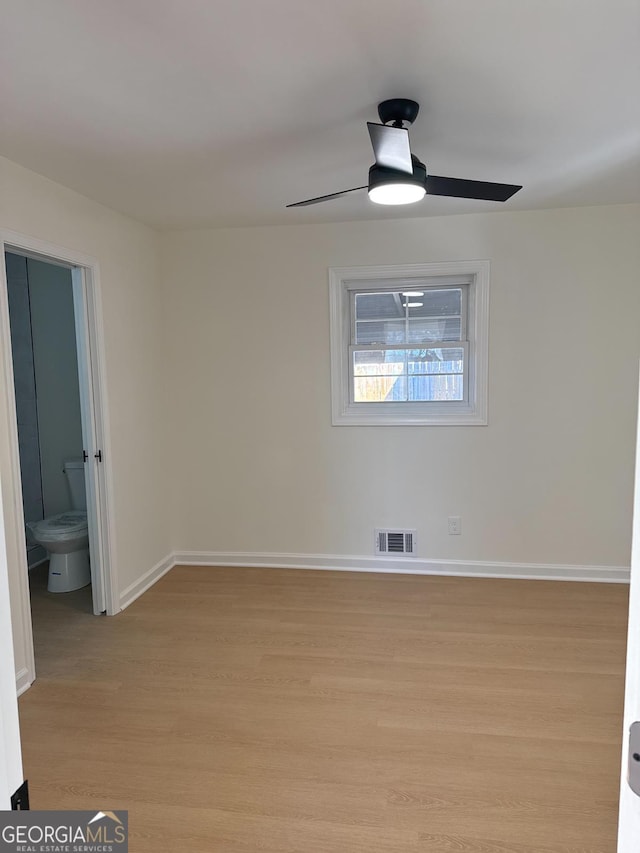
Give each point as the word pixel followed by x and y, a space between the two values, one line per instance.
pixel 186 113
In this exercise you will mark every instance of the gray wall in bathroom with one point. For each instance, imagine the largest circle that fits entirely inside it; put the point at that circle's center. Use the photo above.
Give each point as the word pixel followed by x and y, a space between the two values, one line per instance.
pixel 56 377
pixel 25 387
pixel 45 368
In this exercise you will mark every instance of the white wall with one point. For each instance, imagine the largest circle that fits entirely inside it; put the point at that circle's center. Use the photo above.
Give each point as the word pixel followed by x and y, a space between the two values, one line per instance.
pixel 127 254
pixel 259 468
pixel 56 375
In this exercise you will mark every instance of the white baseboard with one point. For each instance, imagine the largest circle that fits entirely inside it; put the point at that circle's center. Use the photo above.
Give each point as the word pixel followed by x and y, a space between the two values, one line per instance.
pixel 406 566
pixel 23 680
pixel 135 590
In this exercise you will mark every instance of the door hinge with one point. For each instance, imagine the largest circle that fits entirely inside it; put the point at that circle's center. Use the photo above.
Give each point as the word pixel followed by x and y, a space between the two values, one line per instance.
pixel 20 800
pixel 633 772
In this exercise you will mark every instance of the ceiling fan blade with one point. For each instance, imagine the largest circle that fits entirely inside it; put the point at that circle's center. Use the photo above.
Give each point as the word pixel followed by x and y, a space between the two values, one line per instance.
pixel 391 147
pixel 461 188
pixel 324 197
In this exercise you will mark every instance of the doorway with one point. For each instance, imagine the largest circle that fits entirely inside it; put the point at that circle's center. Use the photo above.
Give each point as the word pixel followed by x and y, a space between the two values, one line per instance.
pixel 42 486
pixel 46 385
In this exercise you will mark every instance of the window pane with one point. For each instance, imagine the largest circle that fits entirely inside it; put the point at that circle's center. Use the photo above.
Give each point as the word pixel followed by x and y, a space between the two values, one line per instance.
pixel 419 302
pixel 391 332
pixel 425 375
pixel 378 306
pixel 413 330
pixel 364 357
pixel 437 361
pixel 411 316
pixel 429 331
pixel 441 302
pixel 374 363
pixel 379 389
pixel 436 388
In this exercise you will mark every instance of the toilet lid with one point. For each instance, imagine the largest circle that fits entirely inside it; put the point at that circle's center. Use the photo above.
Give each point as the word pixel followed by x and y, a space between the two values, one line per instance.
pixel 66 524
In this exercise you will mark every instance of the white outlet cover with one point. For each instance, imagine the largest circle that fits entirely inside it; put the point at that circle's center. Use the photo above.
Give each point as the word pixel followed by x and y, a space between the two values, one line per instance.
pixel 454 525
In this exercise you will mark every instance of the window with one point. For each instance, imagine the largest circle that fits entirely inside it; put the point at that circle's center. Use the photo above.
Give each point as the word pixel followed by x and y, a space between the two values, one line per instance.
pixel 409 344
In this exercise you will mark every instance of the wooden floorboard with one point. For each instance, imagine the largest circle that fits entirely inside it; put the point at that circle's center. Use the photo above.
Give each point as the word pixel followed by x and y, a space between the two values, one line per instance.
pixel 240 710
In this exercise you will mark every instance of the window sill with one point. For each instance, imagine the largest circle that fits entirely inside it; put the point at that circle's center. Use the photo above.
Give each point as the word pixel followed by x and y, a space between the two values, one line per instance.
pixel 463 416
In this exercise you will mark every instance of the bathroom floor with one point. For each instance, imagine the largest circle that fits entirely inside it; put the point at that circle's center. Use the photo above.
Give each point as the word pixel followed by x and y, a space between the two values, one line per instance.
pixel 50 610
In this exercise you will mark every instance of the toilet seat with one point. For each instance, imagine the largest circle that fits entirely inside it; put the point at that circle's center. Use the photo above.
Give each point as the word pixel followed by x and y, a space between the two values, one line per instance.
pixel 62 527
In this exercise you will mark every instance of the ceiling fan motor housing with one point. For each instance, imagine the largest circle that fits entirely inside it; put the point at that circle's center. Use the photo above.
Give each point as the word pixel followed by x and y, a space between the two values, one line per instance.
pixel 379 175
pixel 399 111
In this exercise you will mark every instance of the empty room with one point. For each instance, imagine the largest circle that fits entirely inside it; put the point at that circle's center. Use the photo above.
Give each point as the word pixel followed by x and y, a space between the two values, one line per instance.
pixel 319 348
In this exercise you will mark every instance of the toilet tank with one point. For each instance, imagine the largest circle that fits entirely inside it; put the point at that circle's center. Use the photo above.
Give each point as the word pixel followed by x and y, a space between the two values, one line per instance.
pixel 74 471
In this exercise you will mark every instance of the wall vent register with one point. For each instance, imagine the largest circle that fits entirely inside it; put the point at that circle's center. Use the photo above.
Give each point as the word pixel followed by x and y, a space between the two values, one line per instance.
pixel 395 542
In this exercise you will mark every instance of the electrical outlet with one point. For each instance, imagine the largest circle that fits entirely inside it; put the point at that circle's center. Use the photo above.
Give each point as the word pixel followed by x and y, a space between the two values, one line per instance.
pixel 455 525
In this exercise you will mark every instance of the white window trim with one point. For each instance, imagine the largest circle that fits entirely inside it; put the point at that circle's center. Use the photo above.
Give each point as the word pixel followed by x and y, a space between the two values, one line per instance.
pixel 473 412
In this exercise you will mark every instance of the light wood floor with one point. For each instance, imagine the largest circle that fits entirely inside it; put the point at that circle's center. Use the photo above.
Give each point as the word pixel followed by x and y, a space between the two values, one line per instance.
pixel 266 711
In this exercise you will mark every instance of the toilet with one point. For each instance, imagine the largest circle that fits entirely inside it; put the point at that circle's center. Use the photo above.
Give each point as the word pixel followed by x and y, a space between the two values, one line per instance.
pixel 66 536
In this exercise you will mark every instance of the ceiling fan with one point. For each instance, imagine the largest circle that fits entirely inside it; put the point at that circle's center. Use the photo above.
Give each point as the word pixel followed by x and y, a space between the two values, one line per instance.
pixel 398 177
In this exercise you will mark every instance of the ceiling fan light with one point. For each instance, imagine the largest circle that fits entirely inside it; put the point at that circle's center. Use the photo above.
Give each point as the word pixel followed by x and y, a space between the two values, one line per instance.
pixel 396 193
pixel 392 186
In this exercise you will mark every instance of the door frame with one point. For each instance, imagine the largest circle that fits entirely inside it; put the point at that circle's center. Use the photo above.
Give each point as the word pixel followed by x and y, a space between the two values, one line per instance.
pixel 10 748
pixel 92 378
pixel 629 808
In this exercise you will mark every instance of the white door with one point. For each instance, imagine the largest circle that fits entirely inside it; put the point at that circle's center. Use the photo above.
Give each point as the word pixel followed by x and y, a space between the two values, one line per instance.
pixel 629 823
pixel 91 440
